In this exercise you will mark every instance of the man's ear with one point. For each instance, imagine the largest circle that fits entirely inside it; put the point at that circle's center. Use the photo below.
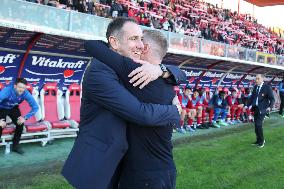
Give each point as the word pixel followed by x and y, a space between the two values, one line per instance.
pixel 146 48
pixel 113 42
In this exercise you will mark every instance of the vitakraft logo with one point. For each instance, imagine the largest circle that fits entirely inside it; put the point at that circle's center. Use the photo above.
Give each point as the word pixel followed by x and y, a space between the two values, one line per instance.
pixel 60 63
pixel 7 59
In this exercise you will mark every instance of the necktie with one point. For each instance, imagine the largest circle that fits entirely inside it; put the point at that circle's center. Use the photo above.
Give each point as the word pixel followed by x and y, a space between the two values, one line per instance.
pixel 257 92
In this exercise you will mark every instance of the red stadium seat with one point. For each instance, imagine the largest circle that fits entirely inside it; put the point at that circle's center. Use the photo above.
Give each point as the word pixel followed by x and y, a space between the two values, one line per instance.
pixel 73 102
pixel 52 108
pixel 8 130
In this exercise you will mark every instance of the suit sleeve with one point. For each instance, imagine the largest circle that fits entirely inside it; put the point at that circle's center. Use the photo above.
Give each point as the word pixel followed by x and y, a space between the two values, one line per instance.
pixel 106 91
pixel 270 97
pixel 123 66
pixel 177 75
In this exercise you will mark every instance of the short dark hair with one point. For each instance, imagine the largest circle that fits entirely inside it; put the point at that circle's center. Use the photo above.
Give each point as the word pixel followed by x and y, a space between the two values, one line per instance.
pixel 187 87
pixel 115 25
pixel 195 90
pixel 21 80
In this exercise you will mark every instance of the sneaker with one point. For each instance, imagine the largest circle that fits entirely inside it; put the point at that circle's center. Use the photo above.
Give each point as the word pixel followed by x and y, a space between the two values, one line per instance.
pixel 215 124
pixel 231 122
pixel 254 143
pixel 211 125
pixel 188 128
pixel 205 126
pixel 238 121
pixel 223 123
pixel 18 150
pixel 174 130
pixel 261 145
pixel 181 130
pixel 199 127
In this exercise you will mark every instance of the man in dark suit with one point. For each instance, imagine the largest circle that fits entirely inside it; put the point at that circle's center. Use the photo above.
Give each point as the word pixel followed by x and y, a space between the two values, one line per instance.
pixel 281 93
pixel 106 108
pixel 261 102
pixel 151 147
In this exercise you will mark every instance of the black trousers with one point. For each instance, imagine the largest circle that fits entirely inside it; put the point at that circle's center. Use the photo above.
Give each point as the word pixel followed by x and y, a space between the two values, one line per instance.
pixel 149 180
pixel 258 120
pixel 14 114
pixel 282 103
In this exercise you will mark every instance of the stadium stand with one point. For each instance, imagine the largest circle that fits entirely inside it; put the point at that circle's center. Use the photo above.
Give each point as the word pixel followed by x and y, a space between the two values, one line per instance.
pixel 193 18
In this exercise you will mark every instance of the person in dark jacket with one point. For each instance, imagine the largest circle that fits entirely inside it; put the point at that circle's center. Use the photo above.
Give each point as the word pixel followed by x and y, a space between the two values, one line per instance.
pixel 157 154
pixel 261 102
pixel 107 109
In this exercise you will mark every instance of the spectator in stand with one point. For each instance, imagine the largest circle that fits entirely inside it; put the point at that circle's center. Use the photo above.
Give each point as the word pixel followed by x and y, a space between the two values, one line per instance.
pixel 90 6
pixel 116 9
pixel 81 6
pixel 225 26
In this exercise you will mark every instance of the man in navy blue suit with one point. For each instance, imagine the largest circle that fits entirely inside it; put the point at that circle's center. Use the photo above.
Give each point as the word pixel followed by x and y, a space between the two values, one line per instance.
pixel 261 102
pixel 151 147
pixel 106 108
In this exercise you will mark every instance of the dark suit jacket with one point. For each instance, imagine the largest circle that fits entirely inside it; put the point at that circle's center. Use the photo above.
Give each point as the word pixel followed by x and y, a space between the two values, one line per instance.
pixel 265 98
pixel 101 142
pixel 150 146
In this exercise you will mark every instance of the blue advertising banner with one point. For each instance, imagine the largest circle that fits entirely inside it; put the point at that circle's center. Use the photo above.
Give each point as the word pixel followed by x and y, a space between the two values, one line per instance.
pixel 41 69
pixel 9 65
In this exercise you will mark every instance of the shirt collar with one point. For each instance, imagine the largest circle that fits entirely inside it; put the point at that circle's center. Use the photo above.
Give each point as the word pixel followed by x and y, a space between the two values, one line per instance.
pixel 260 85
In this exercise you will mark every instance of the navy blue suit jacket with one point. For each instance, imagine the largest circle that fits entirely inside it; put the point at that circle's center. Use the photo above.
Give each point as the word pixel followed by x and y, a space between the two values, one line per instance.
pixel 101 142
pixel 150 146
pixel 265 98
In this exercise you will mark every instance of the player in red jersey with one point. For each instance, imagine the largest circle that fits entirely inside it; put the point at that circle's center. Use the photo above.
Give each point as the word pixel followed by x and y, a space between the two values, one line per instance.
pixel 208 106
pixel 187 111
pixel 235 106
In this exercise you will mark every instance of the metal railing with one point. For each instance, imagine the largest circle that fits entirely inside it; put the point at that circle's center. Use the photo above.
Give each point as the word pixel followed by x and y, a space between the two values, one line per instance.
pixel 85 24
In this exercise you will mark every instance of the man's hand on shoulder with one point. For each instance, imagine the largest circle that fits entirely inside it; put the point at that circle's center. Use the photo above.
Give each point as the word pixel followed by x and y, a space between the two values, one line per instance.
pixel 145 74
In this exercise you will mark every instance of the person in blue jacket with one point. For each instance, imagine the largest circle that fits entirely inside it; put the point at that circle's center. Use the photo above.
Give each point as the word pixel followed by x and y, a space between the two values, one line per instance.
pixel 10 98
pixel 220 108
